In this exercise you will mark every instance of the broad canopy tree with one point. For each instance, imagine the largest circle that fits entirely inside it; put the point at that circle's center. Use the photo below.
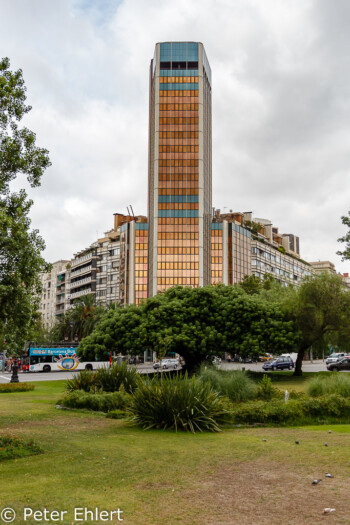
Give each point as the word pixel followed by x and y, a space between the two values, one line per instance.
pixel 320 311
pixel 196 323
pixel 20 248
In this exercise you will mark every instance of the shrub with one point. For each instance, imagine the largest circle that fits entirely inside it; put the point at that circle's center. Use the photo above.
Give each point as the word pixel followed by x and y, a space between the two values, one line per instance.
pixel 296 411
pixel 178 403
pixel 329 384
pixel 117 414
pixel 275 411
pixel 266 391
pixel 235 384
pixel 16 387
pixel 14 447
pixel 107 379
pixel 111 379
pixel 84 380
pixel 99 402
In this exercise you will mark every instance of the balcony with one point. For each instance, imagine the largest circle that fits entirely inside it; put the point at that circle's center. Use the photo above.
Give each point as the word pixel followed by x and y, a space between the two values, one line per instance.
pixel 82 259
pixel 86 269
pixel 80 282
pixel 80 293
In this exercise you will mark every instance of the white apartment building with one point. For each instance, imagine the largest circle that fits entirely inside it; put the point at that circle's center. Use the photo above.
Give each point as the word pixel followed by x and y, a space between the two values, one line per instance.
pixel 47 306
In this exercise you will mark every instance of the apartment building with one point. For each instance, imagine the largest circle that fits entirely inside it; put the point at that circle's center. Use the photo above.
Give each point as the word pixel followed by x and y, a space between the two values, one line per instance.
pixel 47 307
pixel 242 245
pixel 122 261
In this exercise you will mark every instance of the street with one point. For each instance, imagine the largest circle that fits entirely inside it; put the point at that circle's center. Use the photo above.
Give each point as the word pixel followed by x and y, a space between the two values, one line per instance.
pixel 316 366
pixel 55 376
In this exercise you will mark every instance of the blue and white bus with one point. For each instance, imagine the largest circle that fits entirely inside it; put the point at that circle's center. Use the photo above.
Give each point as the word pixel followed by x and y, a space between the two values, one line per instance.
pixel 63 358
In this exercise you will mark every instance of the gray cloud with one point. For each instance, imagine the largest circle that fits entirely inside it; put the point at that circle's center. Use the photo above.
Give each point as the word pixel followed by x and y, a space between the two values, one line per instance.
pixel 280 109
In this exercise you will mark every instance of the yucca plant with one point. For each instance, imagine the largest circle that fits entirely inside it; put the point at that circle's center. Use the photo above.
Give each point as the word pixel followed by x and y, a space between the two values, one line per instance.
pixel 110 379
pixel 178 403
pixel 84 380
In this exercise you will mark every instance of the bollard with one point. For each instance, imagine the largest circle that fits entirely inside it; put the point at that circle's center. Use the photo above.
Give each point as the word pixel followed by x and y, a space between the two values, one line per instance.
pixel 14 377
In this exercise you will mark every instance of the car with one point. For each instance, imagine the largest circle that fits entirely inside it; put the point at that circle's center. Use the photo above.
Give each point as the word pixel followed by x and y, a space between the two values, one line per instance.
pixel 265 357
pixel 342 364
pixel 334 357
pixel 166 363
pixel 280 363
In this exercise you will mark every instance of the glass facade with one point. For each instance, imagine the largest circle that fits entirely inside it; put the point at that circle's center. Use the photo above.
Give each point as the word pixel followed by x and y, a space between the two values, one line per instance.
pixel 141 262
pixel 179 168
pixel 217 253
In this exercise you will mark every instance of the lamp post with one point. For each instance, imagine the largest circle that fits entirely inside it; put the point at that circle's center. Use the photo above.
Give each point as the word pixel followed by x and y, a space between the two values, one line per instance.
pixel 71 324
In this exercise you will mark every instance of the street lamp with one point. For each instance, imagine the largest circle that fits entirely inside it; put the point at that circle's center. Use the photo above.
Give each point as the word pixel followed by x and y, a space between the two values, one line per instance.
pixel 71 323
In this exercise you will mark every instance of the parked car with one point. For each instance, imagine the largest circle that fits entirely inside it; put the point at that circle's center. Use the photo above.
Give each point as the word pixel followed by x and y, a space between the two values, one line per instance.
pixel 334 357
pixel 342 364
pixel 265 357
pixel 166 363
pixel 280 363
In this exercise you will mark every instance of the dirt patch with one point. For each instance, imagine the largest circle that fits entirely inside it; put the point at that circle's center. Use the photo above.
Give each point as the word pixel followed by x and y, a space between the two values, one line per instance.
pixel 262 492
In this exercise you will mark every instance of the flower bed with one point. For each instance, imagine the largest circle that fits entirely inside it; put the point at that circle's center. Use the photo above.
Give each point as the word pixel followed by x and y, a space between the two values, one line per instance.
pixel 15 387
pixel 15 447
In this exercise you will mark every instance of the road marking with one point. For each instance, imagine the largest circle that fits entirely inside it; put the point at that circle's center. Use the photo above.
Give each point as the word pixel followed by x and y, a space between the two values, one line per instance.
pixel 8 378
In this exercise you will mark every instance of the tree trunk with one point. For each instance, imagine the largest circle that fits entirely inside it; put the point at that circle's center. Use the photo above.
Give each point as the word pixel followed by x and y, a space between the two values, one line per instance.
pixel 298 364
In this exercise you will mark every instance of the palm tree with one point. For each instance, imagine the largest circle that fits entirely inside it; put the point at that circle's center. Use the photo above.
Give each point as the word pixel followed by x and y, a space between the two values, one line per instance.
pixel 85 314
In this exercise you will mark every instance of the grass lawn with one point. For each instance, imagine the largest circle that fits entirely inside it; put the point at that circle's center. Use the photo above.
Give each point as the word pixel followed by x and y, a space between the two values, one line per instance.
pixel 163 478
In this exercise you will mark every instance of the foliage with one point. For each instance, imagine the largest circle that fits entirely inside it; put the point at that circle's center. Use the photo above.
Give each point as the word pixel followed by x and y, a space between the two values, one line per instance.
pixel 252 284
pixel 235 384
pixel 98 402
pixel 178 403
pixel 79 321
pixel 254 227
pixel 345 219
pixel 319 310
pixel 20 248
pixel 84 380
pixel 330 384
pixel 117 414
pixel 106 379
pixel 296 411
pixel 195 323
pixel 16 387
pixel 15 447
pixel 266 390
pixel 111 379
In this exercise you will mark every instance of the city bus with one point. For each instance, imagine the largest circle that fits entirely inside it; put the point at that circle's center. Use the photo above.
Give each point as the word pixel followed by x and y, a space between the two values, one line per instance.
pixel 56 358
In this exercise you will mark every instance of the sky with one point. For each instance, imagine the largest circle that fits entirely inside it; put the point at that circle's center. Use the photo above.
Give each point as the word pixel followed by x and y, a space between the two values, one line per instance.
pixel 280 108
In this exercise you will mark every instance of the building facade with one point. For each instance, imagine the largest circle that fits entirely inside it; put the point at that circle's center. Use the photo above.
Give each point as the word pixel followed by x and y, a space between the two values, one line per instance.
pixel 49 294
pixel 183 241
pixel 180 172
pixel 244 246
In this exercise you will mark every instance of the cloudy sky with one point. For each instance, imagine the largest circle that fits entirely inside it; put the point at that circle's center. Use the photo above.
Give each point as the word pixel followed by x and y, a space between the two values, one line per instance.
pixel 281 108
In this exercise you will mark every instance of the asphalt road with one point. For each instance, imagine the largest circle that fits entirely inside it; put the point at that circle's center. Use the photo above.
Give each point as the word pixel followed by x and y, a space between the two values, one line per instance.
pixel 5 377
pixel 316 366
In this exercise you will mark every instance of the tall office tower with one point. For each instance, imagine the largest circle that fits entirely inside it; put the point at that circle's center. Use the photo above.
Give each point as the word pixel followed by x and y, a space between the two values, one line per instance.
pixel 179 185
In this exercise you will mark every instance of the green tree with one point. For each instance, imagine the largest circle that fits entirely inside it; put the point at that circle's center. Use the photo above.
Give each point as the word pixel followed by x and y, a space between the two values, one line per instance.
pixel 20 248
pixel 84 315
pixel 194 322
pixel 80 320
pixel 346 238
pixel 320 310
